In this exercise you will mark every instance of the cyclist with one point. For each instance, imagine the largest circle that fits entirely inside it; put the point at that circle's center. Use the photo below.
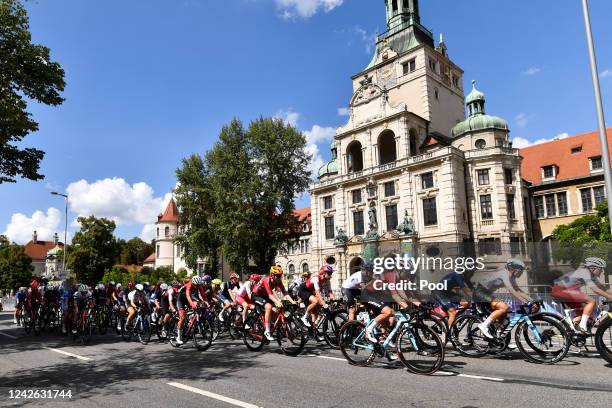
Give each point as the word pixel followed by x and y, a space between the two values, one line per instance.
pixel 449 298
pixel 82 299
pixel 227 294
pixel 567 289
pixel 189 295
pixel 20 301
pixel 352 286
pixel 264 295
pixel 34 300
pixel 244 294
pixel 505 276
pixel 310 293
pixel 68 305
pixel 99 296
pixel 168 304
pixel 297 281
pixel 137 298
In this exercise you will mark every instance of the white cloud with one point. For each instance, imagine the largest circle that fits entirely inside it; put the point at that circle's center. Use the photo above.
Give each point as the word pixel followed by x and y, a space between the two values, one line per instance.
pixel 148 232
pixel 288 116
pixel 606 73
pixel 369 39
pixel 344 111
pixel 521 142
pixel 305 8
pixel 116 199
pixel 21 227
pixel 531 71
pixel 521 119
pixel 315 136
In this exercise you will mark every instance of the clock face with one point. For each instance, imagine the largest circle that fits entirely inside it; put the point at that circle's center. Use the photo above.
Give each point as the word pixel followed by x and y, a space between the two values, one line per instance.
pixel 387 76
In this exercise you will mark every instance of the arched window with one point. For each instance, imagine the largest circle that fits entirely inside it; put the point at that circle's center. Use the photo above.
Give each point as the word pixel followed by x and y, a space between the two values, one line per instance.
pixel 386 147
pixel 291 269
pixel 305 268
pixel 167 232
pixel 354 157
pixel 413 141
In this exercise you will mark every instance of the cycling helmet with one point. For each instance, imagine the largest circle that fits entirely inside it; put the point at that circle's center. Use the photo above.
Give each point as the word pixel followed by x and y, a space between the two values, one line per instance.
pixel 175 283
pixel 306 274
pixel 163 286
pixel 216 282
pixel 326 269
pixel 130 285
pixel 119 286
pixel 595 262
pixel 516 264
pixel 255 277
pixel 100 286
pixel 367 267
pixel 34 284
pixel 83 288
pixel 111 283
pixel 146 284
pixel 276 271
pixel 196 280
pixel 207 279
pixel 139 287
pixel 234 275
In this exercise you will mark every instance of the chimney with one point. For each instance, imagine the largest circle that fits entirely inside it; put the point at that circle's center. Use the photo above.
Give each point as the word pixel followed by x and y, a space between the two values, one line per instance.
pixel 56 238
pixel 35 237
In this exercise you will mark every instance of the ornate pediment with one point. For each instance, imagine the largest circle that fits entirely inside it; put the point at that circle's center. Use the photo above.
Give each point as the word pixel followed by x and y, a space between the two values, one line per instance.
pixel 367 92
pixel 356 239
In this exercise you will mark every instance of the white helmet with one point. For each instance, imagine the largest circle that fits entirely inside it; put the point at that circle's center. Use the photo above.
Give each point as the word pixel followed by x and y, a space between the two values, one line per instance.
pixel 515 263
pixel 595 262
pixel 118 286
pixel 163 286
pixel 196 280
pixel 100 286
pixel 139 287
pixel 83 288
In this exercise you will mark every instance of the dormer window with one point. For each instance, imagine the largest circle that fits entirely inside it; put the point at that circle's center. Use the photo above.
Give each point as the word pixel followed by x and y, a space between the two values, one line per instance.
pixel 576 149
pixel 549 172
pixel 596 163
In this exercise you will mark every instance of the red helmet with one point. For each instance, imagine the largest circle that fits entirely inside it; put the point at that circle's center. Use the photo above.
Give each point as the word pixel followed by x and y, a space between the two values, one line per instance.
pixel 34 284
pixel 255 277
pixel 130 285
pixel 326 269
pixel 234 275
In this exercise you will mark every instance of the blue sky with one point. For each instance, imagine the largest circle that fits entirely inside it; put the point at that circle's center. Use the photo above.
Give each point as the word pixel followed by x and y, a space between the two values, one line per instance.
pixel 152 81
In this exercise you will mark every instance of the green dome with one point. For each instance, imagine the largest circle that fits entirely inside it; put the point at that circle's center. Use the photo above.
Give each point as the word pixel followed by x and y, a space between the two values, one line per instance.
pixel 55 251
pixel 329 168
pixel 480 122
pixel 475 95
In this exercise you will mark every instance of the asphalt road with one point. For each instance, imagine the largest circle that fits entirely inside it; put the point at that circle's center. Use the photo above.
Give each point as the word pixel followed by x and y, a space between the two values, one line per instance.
pixel 113 373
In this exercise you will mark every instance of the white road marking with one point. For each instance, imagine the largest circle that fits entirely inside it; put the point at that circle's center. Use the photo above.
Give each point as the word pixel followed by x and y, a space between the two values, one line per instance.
pixel 331 358
pixel 479 377
pixel 68 354
pixel 8 335
pixel 212 395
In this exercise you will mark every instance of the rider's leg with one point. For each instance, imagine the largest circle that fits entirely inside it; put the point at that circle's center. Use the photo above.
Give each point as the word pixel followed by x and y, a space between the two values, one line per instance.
pixel 499 312
pixel 267 316
pixel 452 315
pixel 589 307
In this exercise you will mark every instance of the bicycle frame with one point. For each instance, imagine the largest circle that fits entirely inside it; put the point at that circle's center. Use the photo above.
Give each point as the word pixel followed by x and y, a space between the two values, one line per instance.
pixel 403 320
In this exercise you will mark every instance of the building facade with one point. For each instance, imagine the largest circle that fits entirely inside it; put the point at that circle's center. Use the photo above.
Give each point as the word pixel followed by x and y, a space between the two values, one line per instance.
pixel 295 258
pixel 47 257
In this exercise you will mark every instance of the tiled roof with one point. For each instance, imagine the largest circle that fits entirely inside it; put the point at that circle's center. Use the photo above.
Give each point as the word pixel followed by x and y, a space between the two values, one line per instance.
pixel 559 153
pixel 38 250
pixel 303 214
pixel 150 258
pixel 171 213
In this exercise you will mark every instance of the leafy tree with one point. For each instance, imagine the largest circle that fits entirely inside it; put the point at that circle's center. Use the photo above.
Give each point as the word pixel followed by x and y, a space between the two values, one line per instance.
pixel 15 266
pixel 26 73
pixel 586 236
pixel 244 189
pixel 135 251
pixel 93 249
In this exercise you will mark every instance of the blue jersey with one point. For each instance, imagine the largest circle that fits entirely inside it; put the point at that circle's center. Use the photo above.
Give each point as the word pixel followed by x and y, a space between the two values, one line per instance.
pixel 453 280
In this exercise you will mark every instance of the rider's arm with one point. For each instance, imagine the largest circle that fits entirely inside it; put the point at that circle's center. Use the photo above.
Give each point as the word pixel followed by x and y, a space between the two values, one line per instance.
pixel 520 295
pixel 189 300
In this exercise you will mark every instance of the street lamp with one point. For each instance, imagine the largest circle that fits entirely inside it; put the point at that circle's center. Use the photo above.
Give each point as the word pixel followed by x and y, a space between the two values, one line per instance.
pixel 603 138
pixel 65 229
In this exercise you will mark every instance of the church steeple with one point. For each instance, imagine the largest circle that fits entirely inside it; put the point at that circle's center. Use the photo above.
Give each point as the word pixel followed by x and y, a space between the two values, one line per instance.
pixel 402 12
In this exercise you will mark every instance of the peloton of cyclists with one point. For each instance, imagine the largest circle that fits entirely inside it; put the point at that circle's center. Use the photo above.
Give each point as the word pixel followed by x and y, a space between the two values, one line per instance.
pixel 310 292
pixel 264 295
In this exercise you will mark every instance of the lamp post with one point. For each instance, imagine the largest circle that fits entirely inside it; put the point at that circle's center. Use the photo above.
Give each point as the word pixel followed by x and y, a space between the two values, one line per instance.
pixel 603 139
pixel 65 229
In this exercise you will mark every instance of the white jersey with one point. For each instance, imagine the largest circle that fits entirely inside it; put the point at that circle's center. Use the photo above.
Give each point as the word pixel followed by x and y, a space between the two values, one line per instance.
pixel 245 290
pixel 353 282
pixel 500 278
pixel 577 279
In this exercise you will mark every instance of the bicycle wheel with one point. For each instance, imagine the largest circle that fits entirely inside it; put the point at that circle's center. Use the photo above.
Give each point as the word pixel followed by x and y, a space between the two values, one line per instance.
pixel 236 327
pixel 86 330
pixel 25 320
pixel 552 346
pixel 603 339
pixel 467 338
pixel 290 337
pixel 353 344
pixel 102 322
pixel 143 330
pixel 126 330
pixel 332 326
pixel 202 335
pixel 37 325
pixel 253 337
pixel 438 326
pixel 420 349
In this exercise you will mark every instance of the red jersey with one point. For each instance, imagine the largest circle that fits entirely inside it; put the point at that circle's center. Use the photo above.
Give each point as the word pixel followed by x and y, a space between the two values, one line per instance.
pixel 266 286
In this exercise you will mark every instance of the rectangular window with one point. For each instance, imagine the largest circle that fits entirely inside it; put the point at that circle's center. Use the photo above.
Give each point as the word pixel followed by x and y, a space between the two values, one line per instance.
pixel 562 203
pixel 327 202
pixel 515 245
pixel 587 200
pixel 483 177
pixel 390 189
pixel 576 149
pixel 391 215
pixel 508 176
pixel 510 205
pixel 157 251
pixel 427 180
pixel 356 196
pixel 430 212
pixel 409 66
pixel 489 246
pixel 596 163
pixel 549 171
pixel 486 207
pixel 329 228
pixel 539 206
pixel 358 225
pixel 455 81
pixel 600 195
pixel 551 208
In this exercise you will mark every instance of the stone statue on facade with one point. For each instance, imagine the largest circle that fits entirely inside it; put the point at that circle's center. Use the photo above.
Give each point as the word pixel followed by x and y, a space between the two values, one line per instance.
pixel 407 225
pixel 341 237
pixel 373 223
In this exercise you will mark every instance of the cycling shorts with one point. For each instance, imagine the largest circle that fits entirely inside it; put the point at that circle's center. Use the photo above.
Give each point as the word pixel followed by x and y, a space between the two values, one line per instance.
pixel 243 301
pixel 261 301
pixel 573 298
pixel 304 294
pixel 447 300
pixel 351 295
